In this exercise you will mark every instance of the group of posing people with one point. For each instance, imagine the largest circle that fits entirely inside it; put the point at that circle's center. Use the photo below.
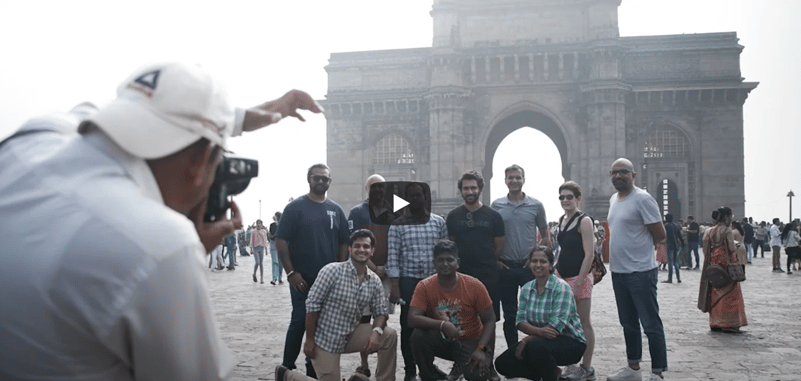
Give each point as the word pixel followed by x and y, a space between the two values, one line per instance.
pixel 451 276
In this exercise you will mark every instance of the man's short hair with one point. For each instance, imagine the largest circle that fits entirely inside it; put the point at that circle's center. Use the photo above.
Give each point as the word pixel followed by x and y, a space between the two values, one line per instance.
pixel 668 217
pixel 317 166
pixel 361 233
pixel 690 218
pixel 514 167
pixel 471 175
pixel 446 247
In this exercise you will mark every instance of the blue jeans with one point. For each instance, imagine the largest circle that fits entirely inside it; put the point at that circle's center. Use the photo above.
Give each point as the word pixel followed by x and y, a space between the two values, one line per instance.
pixel 511 280
pixel 231 256
pixel 258 258
pixel 297 327
pixel 673 261
pixel 276 262
pixel 635 294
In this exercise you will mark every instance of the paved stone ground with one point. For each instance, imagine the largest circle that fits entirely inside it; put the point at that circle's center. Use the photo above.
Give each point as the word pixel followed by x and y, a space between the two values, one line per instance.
pixel 253 319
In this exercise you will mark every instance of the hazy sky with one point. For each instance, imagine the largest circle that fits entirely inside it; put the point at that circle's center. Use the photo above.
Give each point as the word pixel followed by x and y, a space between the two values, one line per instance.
pixel 60 53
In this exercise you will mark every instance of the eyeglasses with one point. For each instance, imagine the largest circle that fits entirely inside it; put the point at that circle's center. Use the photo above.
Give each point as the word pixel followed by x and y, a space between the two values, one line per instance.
pixel 320 179
pixel 566 196
pixel 622 172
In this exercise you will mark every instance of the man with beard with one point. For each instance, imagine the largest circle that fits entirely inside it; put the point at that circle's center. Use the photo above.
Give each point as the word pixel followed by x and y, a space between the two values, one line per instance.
pixel 374 206
pixel 636 228
pixel 478 231
pixel 313 233
pixel 410 260
pixel 522 216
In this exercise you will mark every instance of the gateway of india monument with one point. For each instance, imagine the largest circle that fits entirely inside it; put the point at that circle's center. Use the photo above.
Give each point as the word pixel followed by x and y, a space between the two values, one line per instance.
pixel 671 104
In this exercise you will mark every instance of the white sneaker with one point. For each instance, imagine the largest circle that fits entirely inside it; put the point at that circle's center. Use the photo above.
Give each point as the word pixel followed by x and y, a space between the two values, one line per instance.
pixel 655 377
pixel 626 374
pixel 582 374
pixel 569 370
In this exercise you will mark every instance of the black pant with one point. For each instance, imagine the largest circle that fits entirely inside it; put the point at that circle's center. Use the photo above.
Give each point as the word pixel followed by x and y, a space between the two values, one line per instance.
pixel 793 253
pixel 540 358
pixel 757 245
pixel 429 343
pixel 407 286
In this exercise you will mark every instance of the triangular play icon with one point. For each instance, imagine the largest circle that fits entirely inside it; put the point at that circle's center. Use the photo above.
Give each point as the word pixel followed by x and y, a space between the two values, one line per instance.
pixel 398 203
pixel 149 79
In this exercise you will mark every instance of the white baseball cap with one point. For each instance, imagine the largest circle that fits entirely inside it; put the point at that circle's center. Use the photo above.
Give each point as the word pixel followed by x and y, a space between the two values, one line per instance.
pixel 163 108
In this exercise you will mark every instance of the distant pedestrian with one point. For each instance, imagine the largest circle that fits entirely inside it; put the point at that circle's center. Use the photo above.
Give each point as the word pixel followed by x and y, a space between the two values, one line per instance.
pixel 776 245
pixel 760 238
pixel 258 241
pixel 790 239
pixel 748 238
pixel 724 304
pixel 693 235
pixel 276 261
pixel 673 243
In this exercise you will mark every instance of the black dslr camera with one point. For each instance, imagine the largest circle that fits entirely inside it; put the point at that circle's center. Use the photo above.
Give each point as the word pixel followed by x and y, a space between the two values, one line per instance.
pixel 232 176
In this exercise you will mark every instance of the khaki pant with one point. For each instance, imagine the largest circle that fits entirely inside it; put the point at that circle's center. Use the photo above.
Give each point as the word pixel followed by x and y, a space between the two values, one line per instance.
pixel 326 364
pixel 777 257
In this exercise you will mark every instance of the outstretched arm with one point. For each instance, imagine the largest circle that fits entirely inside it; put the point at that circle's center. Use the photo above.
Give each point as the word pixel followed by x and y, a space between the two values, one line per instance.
pixel 273 111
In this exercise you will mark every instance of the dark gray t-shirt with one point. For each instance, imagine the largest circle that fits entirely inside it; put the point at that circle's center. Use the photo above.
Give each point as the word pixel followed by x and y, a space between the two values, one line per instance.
pixel 314 232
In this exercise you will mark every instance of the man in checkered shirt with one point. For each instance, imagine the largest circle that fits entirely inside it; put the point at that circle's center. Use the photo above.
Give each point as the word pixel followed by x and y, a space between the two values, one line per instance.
pixel 334 307
pixel 410 260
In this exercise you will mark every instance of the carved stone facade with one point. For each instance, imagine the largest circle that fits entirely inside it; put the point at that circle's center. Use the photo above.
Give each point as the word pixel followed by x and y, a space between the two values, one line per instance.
pixel 673 104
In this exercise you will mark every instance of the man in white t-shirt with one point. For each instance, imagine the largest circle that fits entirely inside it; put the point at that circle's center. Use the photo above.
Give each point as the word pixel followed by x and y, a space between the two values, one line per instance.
pixel 635 227
pixel 776 245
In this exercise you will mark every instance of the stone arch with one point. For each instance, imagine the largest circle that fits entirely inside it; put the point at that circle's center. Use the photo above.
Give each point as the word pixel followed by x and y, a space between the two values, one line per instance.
pixel 518 116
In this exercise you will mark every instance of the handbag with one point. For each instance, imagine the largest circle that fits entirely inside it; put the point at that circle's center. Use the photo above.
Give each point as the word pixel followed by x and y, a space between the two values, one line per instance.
pixel 598 269
pixel 717 276
pixel 736 272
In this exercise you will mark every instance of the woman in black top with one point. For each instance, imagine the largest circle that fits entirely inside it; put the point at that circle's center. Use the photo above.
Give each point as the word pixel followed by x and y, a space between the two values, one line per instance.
pixel 577 241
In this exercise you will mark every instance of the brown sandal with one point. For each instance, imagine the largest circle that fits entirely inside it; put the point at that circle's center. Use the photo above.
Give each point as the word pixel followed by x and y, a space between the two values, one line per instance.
pixel 365 370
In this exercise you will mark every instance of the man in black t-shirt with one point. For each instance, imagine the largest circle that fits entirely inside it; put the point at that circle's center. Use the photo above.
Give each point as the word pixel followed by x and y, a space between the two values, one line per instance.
pixel 312 233
pixel 478 231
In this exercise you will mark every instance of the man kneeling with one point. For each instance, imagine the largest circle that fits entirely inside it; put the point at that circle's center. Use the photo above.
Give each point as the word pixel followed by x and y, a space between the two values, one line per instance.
pixel 452 317
pixel 333 309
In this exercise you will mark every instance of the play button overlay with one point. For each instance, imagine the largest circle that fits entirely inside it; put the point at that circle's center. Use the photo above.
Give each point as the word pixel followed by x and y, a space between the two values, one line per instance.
pixel 398 203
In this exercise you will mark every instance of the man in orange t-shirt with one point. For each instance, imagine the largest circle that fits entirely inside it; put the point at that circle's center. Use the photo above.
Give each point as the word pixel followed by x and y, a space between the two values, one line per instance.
pixel 452 317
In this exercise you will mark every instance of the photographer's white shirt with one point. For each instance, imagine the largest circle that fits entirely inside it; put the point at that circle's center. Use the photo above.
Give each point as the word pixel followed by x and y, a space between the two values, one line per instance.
pixel 101 280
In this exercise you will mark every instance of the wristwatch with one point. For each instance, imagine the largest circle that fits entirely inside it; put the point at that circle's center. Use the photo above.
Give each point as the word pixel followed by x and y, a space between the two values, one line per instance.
pixel 379 330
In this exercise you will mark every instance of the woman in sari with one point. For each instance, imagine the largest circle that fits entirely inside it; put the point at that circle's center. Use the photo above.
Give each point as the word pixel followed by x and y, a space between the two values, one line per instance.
pixel 724 304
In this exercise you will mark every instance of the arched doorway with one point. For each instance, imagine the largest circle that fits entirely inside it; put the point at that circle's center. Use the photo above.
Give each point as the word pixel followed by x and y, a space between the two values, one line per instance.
pixel 513 122
pixel 542 167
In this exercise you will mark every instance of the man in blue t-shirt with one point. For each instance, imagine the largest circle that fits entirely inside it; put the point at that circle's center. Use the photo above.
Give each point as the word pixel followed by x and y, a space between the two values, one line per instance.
pixel 313 233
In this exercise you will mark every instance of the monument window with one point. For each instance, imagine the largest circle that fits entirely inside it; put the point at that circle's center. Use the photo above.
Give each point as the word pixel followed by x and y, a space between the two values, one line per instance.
pixel 392 149
pixel 666 143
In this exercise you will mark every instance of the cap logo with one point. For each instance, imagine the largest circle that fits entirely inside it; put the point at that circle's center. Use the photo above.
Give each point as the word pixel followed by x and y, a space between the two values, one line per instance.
pixel 149 79
pixel 146 83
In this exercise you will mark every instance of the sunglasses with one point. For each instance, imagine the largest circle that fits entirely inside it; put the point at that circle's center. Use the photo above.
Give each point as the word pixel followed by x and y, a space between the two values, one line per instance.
pixel 622 172
pixel 320 179
pixel 566 196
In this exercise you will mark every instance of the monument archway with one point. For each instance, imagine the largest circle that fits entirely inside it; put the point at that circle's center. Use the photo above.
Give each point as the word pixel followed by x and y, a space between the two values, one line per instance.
pixel 512 121
pixel 560 67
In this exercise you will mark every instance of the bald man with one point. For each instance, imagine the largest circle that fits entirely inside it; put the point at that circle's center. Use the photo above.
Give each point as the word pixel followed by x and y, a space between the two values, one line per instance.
pixel 375 206
pixel 635 227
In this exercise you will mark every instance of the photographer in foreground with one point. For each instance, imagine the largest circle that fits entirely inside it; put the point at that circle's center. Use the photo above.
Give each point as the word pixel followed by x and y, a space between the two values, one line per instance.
pixel 104 276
